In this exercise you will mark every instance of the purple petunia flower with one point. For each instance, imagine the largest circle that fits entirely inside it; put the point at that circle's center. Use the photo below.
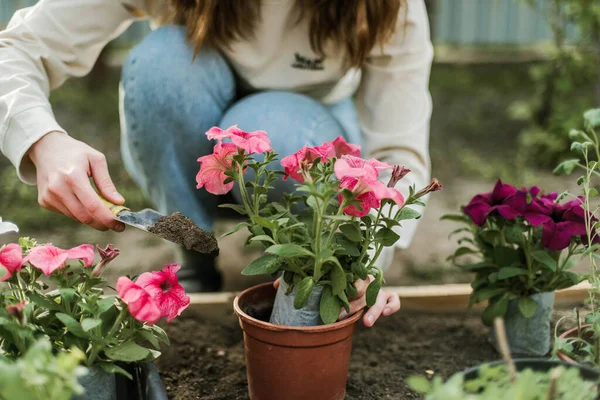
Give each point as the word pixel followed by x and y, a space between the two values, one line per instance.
pixel 506 200
pixel 560 221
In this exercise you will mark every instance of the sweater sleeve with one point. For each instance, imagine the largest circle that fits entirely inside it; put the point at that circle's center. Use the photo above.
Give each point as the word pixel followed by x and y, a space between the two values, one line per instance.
pixel 40 49
pixel 394 104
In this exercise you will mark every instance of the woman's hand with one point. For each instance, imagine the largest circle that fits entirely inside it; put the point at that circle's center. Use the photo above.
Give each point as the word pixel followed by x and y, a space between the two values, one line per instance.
pixel 386 304
pixel 64 166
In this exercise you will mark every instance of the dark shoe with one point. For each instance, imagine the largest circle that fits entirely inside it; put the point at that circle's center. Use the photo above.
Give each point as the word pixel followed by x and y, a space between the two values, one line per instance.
pixel 199 273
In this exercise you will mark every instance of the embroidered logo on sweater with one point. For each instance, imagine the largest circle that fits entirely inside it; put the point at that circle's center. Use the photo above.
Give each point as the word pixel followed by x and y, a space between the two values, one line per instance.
pixel 301 62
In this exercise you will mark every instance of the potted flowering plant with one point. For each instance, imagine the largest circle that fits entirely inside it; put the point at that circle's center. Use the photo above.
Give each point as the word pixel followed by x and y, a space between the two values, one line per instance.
pixel 525 244
pixel 320 240
pixel 582 343
pixel 113 334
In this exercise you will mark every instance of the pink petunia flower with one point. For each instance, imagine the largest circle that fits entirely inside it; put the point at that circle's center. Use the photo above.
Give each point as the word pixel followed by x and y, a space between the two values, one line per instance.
pixel 11 258
pixel 360 176
pixel 212 169
pixel 356 167
pixel 164 288
pixel 292 165
pixel 139 302
pixel 370 195
pixel 49 258
pixel 250 142
pixel 306 156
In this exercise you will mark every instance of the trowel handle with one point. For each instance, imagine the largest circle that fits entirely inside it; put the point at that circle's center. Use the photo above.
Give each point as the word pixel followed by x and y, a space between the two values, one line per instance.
pixel 114 208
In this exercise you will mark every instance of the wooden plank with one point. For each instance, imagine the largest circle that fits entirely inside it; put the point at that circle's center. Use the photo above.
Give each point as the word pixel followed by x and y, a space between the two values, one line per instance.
pixel 434 298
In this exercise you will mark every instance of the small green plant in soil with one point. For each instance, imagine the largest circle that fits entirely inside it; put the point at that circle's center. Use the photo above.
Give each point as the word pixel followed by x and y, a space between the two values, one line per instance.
pixel 504 382
pixel 40 374
pixel 495 383
pixel 585 347
pixel 521 242
pixel 330 231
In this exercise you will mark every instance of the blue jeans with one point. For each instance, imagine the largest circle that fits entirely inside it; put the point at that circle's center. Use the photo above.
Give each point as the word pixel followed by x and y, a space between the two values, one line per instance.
pixel 169 101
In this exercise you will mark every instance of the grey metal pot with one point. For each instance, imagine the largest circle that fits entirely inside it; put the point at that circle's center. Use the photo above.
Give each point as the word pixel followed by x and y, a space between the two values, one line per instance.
pixel 98 385
pixel 284 312
pixel 528 336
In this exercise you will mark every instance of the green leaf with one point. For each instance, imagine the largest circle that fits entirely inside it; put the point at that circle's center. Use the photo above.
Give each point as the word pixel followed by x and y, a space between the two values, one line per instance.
pixel 569 264
pixel 43 301
pixel 90 323
pixel 506 256
pixel 72 325
pixel 509 272
pixel 289 250
pixel 67 294
pixel 419 384
pixel 261 265
pixel 487 293
pixel 352 232
pixel 386 237
pixel 456 218
pixel 495 309
pixel 492 237
pixel 263 238
pixel 360 270
pixel 149 336
pixel 348 248
pixel 114 369
pixel 544 258
pixel 408 213
pixel 338 280
pixel 461 251
pixel 303 290
pixel 106 303
pixel 160 334
pixel 527 306
pixel 235 229
pixel 566 167
pixel 236 207
pixel 592 117
pixel 329 307
pixel 344 300
pixel 265 223
pixel 127 352
pixel 373 290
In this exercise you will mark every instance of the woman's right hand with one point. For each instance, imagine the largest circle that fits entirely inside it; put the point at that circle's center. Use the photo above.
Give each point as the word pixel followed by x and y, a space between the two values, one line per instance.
pixel 64 166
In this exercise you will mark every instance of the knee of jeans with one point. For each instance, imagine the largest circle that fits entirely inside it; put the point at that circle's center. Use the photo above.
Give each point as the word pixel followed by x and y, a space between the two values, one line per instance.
pixel 292 120
pixel 164 63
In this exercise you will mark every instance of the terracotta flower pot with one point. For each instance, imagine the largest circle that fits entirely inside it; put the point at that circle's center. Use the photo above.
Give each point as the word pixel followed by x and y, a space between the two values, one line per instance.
pixel 570 333
pixel 290 362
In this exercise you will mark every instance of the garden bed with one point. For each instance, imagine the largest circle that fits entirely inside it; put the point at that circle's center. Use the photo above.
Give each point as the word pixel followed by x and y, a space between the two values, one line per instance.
pixel 206 359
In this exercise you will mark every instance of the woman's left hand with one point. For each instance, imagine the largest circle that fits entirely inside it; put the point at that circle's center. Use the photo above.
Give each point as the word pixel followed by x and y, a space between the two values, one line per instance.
pixel 386 304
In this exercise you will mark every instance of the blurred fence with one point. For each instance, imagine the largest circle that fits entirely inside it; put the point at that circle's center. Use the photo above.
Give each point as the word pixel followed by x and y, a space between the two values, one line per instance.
pixel 454 22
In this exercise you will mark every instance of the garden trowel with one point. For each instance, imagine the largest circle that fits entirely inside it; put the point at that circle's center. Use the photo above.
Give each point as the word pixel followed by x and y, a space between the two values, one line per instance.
pixel 175 228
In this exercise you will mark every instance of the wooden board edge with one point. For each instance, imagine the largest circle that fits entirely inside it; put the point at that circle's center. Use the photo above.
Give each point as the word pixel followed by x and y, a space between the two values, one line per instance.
pixel 447 297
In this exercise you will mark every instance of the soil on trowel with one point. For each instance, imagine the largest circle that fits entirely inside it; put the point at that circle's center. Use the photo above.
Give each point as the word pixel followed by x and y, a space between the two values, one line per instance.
pixel 206 358
pixel 181 230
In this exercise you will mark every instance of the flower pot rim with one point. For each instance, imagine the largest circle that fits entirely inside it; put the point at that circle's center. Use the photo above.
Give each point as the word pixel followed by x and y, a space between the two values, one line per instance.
pixel 564 335
pixel 285 328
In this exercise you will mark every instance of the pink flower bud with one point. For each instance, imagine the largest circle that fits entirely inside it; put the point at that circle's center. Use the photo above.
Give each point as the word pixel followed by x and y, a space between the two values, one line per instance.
pixel 106 255
pixel 434 186
pixel 398 173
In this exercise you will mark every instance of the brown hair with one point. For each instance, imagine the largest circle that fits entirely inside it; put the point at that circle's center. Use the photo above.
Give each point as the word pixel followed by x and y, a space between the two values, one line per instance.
pixel 359 25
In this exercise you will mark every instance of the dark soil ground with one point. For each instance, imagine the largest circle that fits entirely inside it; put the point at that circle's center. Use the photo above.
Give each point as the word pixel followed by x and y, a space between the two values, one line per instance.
pixel 206 359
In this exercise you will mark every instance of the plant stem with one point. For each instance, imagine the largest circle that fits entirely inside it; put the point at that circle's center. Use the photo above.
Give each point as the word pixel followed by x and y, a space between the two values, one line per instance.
pixel 504 349
pixel 97 349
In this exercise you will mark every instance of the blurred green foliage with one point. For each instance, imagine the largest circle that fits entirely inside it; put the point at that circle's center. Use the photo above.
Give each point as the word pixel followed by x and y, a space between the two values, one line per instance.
pixel 564 86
